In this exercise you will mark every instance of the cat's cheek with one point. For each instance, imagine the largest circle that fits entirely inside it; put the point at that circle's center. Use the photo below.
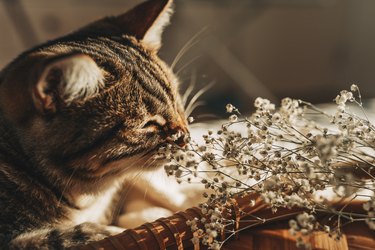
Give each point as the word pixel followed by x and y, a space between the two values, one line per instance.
pixel 117 168
pixel 134 164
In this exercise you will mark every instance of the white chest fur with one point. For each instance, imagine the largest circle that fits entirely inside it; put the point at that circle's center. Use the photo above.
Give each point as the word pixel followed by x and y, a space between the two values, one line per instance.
pixel 93 207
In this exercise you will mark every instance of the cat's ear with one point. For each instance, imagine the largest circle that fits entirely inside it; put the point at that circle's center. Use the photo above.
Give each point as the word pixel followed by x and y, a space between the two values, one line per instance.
pixel 147 21
pixel 64 80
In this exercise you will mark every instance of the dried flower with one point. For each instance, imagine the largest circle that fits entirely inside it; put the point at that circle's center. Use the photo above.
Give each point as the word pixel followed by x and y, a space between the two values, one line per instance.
pixel 354 88
pixel 230 108
pixel 283 157
pixel 233 118
pixel 190 119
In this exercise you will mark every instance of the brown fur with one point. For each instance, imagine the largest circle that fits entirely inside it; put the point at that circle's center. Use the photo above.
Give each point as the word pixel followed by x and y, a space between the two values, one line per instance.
pixel 59 157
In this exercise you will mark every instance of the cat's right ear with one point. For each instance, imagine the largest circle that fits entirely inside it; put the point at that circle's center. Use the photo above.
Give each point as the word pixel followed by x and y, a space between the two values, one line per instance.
pixel 65 80
pixel 145 22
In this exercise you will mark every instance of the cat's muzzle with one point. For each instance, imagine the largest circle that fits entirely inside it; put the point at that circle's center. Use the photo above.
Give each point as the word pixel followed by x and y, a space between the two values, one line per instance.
pixel 178 137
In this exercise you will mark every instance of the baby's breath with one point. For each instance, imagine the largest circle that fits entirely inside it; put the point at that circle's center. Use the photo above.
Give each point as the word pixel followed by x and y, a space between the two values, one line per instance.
pixel 190 119
pixel 285 158
pixel 230 108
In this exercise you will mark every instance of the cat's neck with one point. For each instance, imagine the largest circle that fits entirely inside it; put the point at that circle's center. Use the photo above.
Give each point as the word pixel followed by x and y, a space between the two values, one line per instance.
pixel 19 167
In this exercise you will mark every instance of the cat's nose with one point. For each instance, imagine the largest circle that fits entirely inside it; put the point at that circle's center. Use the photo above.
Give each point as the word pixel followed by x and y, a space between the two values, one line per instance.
pixel 177 135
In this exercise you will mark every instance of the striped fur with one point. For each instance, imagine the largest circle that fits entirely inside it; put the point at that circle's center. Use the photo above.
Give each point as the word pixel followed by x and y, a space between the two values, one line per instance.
pixel 78 115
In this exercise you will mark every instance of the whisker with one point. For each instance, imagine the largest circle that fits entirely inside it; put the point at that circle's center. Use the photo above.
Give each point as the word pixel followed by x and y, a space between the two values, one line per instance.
pixel 189 90
pixel 198 94
pixel 146 191
pixel 149 162
pixel 182 53
pixel 193 107
pixel 187 64
pixel 189 44
pixel 146 165
pixel 130 183
pixel 127 188
pixel 66 185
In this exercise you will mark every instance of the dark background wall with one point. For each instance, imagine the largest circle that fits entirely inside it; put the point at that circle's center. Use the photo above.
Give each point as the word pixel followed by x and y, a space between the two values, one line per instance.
pixel 307 49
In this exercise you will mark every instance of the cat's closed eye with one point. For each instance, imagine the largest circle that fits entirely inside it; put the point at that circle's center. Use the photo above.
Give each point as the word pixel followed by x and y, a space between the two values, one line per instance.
pixel 156 122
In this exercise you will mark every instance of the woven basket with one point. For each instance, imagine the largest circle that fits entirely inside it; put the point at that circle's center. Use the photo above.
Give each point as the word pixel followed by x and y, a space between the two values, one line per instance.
pixel 173 233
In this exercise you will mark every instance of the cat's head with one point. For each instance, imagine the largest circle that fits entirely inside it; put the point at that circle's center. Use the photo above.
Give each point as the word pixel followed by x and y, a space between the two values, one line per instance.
pixel 98 101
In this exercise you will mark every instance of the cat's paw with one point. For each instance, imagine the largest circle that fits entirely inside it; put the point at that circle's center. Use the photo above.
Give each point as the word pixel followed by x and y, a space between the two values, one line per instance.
pixel 88 232
pixel 61 238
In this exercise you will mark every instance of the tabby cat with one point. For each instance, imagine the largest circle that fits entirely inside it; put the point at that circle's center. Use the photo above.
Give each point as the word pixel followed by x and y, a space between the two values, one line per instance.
pixel 78 115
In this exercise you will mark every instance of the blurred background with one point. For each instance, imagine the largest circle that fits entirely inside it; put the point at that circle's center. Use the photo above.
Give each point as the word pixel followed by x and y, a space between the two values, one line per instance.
pixel 307 49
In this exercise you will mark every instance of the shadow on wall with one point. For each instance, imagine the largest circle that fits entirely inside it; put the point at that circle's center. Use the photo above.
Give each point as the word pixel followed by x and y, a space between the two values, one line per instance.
pixel 307 49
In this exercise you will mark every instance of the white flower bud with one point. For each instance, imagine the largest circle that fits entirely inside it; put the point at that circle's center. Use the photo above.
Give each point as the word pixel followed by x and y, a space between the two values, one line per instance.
pixel 190 119
pixel 229 108
pixel 233 118
pixel 354 88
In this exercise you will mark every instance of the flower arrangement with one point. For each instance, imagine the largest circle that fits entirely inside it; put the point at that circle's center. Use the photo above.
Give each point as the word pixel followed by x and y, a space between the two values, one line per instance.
pixel 287 159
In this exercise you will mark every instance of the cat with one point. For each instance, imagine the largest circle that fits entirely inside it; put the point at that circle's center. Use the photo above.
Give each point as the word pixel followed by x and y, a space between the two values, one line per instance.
pixel 78 115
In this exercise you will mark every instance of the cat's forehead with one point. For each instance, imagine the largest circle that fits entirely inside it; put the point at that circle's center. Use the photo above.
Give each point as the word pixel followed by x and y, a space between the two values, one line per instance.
pixel 133 75
pixel 122 59
pixel 101 49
